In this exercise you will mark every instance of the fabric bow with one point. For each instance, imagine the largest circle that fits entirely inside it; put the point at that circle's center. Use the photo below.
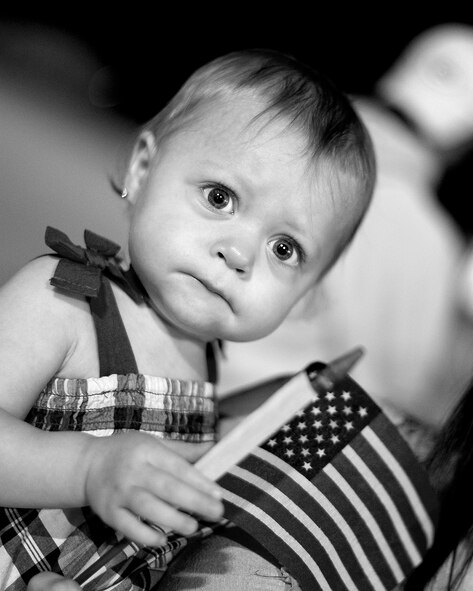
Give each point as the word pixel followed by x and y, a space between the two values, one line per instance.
pixel 80 269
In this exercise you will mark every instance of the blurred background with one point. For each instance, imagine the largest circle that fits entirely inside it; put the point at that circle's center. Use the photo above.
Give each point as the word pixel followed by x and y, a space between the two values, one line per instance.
pixel 76 82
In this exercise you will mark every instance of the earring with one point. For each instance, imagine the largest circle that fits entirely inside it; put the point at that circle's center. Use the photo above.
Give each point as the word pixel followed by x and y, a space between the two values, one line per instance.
pixel 124 193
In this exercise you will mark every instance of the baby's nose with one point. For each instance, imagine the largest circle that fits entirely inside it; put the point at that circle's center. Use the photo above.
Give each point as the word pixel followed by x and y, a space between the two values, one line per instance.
pixel 236 257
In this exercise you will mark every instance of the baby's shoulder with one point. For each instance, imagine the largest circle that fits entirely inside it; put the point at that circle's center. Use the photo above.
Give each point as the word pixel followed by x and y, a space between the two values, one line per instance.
pixel 42 328
pixel 30 287
pixel 34 274
pixel 39 266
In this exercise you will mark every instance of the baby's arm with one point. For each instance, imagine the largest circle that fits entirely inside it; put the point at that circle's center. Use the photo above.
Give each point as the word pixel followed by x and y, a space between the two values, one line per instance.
pixel 127 479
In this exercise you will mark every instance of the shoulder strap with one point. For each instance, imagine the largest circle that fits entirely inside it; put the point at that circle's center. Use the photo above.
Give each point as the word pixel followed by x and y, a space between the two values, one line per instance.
pixel 88 271
pixel 114 348
pixel 212 367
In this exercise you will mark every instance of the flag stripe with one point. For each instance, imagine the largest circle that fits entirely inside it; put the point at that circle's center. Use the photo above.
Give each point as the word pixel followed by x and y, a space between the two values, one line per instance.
pixel 281 543
pixel 386 532
pixel 343 496
pixel 385 498
pixel 333 530
pixel 405 478
pixel 340 496
pixel 390 479
pixel 369 519
pixel 395 482
pixel 316 512
pixel 312 537
pixel 392 524
pixel 321 508
pixel 319 503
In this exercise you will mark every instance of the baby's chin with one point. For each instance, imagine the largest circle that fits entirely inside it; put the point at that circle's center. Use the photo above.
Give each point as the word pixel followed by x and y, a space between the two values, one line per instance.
pixel 199 327
pixel 208 332
pixel 247 335
pixel 207 323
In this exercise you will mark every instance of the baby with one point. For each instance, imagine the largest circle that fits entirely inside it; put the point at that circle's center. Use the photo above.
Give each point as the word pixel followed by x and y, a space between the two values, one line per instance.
pixel 243 191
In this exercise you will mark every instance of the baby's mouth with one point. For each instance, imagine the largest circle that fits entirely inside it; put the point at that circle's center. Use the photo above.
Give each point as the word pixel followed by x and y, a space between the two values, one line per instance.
pixel 215 291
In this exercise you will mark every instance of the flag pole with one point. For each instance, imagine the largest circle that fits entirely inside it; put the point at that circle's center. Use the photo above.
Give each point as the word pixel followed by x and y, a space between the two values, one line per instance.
pixel 270 416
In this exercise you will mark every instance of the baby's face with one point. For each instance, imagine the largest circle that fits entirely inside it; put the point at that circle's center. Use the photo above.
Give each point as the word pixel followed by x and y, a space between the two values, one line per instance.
pixel 231 226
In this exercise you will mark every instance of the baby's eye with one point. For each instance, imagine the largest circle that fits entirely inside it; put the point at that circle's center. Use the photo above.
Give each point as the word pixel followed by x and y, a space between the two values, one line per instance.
pixel 219 198
pixel 286 251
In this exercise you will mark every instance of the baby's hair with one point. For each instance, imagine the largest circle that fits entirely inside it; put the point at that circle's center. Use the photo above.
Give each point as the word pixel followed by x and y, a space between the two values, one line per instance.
pixel 291 91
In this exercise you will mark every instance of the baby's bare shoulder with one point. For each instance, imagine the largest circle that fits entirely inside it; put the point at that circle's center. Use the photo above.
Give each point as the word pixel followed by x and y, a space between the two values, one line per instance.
pixel 41 328
pixel 30 292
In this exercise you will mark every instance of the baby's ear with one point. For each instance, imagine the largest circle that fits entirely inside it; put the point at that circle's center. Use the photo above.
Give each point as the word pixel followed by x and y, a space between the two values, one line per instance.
pixel 140 164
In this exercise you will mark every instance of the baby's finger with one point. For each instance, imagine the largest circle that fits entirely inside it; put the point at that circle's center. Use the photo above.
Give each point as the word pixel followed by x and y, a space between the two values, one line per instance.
pixel 132 527
pixel 184 495
pixel 183 470
pixel 154 510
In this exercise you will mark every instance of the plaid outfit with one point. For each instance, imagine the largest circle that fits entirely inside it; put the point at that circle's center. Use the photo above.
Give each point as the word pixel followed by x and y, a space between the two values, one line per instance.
pixel 68 541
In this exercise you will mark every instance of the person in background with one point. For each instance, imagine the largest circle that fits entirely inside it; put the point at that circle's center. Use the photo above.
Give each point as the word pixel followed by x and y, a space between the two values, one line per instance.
pixel 447 566
pixel 395 291
pixel 242 191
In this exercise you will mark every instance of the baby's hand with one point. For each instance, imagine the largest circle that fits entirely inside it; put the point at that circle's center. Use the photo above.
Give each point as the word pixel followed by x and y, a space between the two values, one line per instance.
pixel 51 582
pixel 133 478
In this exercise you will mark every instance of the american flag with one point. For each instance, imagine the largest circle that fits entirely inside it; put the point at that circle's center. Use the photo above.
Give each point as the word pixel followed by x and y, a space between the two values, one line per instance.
pixel 336 495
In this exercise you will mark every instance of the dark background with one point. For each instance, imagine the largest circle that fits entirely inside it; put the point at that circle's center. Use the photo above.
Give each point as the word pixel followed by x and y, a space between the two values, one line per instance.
pixel 143 52
pixel 150 49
